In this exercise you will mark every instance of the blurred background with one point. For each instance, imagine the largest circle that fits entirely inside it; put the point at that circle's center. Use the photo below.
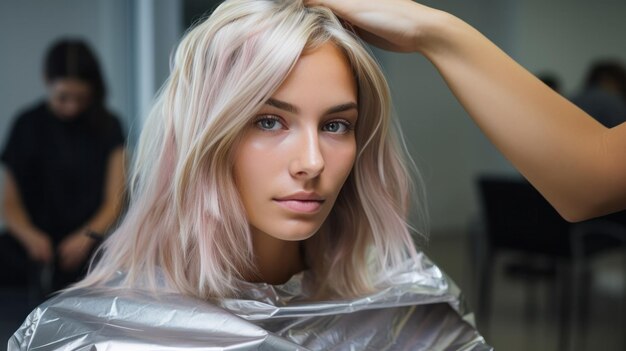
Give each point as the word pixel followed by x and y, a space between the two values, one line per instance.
pixel 564 293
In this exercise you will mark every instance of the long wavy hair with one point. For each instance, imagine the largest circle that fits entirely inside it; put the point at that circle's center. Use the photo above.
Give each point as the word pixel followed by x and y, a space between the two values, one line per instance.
pixel 186 223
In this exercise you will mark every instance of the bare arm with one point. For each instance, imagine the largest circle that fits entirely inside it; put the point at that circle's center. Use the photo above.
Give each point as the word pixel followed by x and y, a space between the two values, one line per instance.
pixel 113 193
pixel 576 163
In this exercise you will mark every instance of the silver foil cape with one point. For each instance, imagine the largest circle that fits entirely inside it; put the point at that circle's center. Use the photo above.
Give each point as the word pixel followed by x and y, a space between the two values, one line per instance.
pixel 421 310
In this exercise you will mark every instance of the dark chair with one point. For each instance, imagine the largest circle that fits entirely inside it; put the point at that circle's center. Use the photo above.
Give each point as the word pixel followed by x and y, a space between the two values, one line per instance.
pixel 586 238
pixel 518 219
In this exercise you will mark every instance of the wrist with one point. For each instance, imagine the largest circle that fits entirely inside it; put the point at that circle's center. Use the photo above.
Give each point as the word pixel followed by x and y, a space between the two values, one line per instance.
pixel 434 31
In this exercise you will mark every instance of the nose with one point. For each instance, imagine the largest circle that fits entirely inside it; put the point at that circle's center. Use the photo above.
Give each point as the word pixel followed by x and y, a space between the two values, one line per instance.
pixel 308 160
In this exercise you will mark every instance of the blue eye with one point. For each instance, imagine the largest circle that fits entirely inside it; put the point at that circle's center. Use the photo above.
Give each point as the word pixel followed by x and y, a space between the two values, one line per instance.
pixel 269 123
pixel 339 127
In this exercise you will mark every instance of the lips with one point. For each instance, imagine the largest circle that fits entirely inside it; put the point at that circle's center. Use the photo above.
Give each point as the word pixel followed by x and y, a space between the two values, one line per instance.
pixel 301 202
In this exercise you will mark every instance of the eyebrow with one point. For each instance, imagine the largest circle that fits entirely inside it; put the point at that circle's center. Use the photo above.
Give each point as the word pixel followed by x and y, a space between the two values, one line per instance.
pixel 293 109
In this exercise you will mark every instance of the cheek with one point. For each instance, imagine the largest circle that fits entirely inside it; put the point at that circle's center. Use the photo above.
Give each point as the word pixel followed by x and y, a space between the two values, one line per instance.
pixel 253 169
pixel 243 167
pixel 340 161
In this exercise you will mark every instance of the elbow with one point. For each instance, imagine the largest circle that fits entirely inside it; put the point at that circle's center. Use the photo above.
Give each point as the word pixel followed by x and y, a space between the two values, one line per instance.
pixel 575 216
pixel 576 211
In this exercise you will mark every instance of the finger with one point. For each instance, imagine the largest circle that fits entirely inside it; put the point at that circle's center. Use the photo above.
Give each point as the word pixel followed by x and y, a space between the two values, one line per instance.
pixel 352 23
pixel 315 3
pixel 340 8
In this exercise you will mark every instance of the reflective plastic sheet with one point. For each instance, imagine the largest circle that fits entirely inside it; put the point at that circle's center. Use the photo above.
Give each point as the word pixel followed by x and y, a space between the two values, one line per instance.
pixel 421 310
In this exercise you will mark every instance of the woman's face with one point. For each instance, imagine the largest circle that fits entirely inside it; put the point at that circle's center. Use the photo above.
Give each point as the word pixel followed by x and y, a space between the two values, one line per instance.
pixel 68 97
pixel 299 149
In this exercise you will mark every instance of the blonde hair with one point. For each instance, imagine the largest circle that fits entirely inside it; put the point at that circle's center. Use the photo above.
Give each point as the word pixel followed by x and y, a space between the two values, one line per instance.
pixel 186 223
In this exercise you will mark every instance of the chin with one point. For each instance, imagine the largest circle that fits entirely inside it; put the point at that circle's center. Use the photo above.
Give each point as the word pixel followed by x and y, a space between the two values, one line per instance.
pixel 294 233
pixel 299 236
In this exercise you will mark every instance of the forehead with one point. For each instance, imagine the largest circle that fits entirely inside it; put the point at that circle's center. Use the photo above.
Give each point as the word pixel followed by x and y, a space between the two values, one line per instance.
pixel 320 76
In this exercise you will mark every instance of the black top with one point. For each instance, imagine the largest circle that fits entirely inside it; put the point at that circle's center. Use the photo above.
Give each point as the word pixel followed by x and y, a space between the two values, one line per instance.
pixel 60 166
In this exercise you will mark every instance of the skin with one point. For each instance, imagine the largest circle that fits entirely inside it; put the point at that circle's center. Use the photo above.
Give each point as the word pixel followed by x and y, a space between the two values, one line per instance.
pixel 67 98
pixel 576 163
pixel 296 144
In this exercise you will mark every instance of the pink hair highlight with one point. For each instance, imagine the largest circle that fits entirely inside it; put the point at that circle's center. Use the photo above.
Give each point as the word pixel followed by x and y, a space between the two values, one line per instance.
pixel 185 221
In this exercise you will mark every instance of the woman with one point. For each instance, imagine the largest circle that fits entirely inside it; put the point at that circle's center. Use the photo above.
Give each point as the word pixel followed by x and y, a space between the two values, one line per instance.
pixel 63 171
pixel 269 198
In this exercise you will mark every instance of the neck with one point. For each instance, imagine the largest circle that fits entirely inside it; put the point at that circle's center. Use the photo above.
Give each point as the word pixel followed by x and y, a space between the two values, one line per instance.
pixel 277 260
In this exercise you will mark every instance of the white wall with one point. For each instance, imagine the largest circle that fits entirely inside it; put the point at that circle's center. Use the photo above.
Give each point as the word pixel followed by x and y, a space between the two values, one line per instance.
pixel 565 36
pixel 158 27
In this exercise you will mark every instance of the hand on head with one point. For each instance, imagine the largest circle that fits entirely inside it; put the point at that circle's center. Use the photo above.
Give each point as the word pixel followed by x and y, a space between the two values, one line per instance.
pixel 389 24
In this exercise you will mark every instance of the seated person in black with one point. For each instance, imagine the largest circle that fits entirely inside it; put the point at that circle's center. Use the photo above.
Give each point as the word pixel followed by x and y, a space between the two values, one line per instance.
pixel 63 174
